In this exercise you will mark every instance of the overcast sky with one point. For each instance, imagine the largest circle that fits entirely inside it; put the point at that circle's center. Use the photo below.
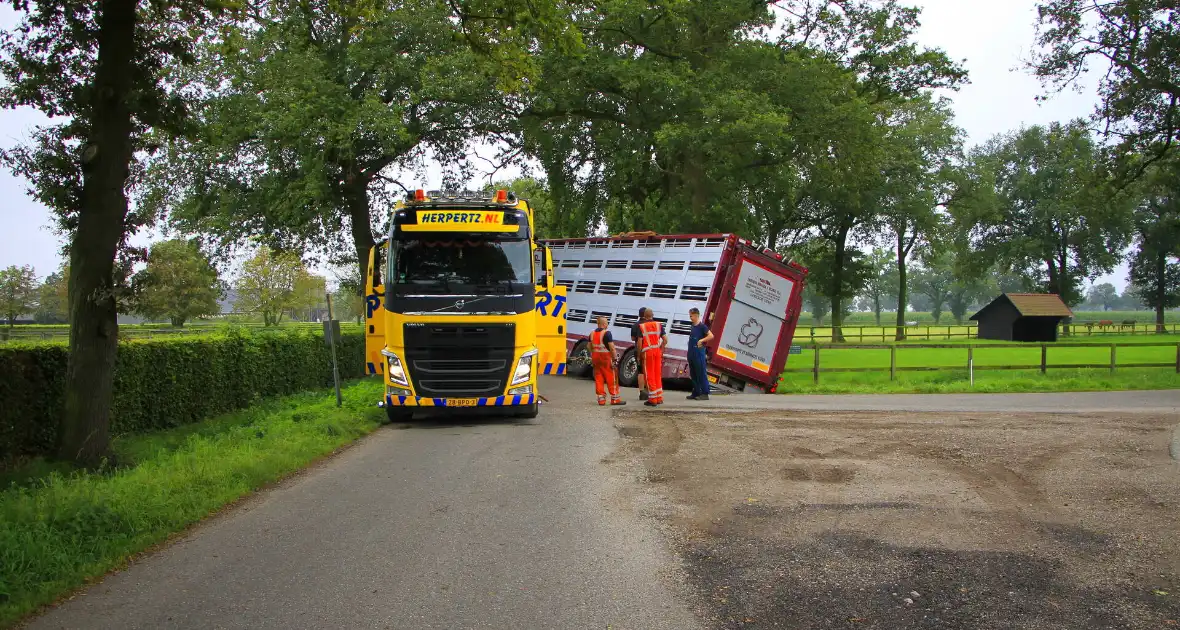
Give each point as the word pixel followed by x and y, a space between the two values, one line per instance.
pixel 994 38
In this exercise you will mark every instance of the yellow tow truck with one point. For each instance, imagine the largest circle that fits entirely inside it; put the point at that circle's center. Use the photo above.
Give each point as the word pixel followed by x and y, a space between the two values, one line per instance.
pixel 461 305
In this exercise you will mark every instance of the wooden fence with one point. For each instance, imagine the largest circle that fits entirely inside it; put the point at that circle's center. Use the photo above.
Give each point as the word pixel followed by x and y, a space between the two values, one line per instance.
pixel 969 359
pixel 932 332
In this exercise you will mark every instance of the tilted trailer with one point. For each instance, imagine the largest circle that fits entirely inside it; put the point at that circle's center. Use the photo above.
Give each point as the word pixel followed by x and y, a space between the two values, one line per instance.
pixel 750 298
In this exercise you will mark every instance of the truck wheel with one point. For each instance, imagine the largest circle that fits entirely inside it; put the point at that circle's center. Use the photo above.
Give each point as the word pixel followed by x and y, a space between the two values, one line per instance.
pixel 529 412
pixel 398 414
pixel 579 360
pixel 629 369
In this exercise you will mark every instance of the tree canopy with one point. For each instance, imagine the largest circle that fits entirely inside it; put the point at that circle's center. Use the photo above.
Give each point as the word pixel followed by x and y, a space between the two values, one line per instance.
pixel 178 283
pixel 1052 214
pixel 1134 46
pixel 18 292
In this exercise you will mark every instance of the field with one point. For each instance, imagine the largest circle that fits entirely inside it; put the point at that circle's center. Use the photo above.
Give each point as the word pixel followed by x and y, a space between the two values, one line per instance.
pixel 944 369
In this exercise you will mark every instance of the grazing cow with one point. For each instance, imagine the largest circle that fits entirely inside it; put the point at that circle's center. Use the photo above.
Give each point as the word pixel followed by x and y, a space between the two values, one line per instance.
pixel 1128 323
pixel 1105 322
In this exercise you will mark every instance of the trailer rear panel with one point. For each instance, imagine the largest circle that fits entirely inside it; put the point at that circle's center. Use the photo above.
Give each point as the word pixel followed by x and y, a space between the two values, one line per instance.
pixel 756 316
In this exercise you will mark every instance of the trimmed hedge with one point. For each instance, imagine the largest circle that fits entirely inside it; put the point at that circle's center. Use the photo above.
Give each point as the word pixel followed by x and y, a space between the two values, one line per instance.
pixel 161 383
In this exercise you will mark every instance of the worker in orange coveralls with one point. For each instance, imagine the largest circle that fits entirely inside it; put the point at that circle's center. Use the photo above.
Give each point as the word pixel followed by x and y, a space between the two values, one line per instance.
pixel 652 345
pixel 602 357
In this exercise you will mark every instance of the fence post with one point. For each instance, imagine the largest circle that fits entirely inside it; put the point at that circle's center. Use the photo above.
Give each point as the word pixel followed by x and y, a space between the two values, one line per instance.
pixel 1113 354
pixel 815 370
pixel 971 364
pixel 893 361
pixel 1044 358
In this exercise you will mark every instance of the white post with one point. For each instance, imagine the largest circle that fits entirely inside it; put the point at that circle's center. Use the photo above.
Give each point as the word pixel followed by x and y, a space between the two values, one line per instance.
pixel 971 364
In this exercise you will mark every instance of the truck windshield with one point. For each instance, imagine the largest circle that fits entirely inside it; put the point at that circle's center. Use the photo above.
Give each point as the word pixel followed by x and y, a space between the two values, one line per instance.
pixel 458 264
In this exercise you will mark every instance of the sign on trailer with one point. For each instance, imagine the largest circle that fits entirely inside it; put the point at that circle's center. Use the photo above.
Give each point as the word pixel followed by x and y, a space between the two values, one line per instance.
pixel 756 318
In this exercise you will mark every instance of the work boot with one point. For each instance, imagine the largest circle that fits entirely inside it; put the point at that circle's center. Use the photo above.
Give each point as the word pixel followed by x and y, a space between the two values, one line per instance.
pixel 642 395
pixel 616 403
pixel 703 397
pixel 691 396
pixel 649 403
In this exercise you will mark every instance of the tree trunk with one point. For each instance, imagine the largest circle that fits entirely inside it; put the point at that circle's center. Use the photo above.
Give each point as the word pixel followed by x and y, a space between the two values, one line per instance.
pixel 837 281
pixel 902 297
pixel 1055 286
pixel 877 307
pixel 362 229
pixel 178 322
pixel 1161 289
pixel 85 430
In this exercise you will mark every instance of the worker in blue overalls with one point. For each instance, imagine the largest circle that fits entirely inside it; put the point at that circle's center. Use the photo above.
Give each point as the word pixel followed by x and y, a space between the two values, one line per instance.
pixel 698 337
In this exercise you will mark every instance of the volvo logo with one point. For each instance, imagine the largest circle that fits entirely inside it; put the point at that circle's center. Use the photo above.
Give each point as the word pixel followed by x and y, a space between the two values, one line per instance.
pixel 459 304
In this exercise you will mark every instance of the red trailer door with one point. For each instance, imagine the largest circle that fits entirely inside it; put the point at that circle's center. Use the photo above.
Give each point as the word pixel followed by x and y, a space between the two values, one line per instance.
pixel 756 318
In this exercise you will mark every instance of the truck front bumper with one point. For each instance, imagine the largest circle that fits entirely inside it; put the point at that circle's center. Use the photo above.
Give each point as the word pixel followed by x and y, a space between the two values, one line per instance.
pixel 521 400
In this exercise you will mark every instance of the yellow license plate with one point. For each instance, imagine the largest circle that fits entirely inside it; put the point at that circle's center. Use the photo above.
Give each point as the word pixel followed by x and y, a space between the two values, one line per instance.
pixel 714 379
pixel 463 402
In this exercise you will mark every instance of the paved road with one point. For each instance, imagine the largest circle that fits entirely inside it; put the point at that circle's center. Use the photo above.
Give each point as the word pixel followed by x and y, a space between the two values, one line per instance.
pixel 438 526
pixel 444 525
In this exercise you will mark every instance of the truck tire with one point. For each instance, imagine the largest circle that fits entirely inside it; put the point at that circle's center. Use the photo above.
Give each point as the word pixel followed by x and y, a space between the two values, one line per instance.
pixel 529 412
pixel 629 369
pixel 579 360
pixel 398 414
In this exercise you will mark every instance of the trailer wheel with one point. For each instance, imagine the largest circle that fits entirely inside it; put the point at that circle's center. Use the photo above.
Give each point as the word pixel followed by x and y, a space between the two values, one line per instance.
pixel 629 369
pixel 579 360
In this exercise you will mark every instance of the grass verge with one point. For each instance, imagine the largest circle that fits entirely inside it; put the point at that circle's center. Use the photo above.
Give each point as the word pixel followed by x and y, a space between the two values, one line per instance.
pixel 57 531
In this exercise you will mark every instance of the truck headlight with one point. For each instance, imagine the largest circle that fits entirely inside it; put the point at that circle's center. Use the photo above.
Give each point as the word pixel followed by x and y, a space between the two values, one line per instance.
pixel 397 374
pixel 524 368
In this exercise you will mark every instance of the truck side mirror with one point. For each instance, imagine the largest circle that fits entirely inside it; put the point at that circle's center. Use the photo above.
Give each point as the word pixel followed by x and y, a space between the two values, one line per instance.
pixel 373 284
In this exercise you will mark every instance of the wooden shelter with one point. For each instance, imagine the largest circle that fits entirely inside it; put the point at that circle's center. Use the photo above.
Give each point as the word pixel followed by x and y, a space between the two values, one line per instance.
pixel 1022 317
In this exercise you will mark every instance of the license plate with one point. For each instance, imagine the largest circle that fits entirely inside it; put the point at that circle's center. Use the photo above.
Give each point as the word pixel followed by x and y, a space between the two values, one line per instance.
pixel 714 379
pixel 463 402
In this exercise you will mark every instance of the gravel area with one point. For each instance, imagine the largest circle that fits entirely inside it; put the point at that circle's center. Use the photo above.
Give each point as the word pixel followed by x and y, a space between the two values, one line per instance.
pixel 893 520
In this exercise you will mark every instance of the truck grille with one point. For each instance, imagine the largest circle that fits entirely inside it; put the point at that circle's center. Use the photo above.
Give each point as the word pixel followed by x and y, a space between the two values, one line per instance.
pixel 460 360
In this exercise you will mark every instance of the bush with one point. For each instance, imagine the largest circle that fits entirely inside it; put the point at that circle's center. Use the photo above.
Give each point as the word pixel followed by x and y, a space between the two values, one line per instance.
pixel 161 383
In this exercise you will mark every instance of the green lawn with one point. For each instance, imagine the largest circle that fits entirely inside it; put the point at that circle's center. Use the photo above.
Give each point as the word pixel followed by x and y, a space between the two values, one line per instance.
pixel 952 375
pixel 59 529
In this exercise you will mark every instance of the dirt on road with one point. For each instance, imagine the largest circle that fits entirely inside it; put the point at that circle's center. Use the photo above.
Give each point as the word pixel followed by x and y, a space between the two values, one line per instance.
pixel 898 520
